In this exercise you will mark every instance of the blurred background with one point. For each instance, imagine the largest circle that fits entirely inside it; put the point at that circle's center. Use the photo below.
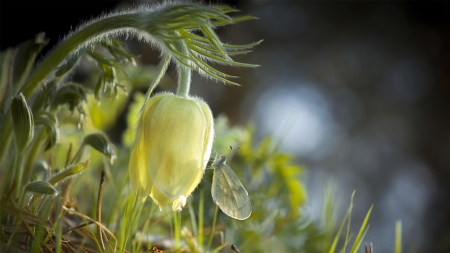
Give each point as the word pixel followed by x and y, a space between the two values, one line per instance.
pixel 358 91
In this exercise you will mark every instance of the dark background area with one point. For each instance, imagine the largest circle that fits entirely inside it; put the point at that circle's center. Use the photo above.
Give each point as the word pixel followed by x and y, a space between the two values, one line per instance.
pixel 359 91
pixel 20 20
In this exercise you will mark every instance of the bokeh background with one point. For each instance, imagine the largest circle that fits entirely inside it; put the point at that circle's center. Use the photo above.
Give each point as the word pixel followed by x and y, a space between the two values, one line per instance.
pixel 358 91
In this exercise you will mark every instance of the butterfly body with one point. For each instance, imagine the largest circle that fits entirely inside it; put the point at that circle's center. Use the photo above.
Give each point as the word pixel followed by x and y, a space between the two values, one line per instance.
pixel 228 192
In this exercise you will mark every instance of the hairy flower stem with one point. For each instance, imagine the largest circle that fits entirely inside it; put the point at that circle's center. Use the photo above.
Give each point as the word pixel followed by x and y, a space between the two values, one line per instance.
pixel 184 72
pixel 184 81
pixel 162 70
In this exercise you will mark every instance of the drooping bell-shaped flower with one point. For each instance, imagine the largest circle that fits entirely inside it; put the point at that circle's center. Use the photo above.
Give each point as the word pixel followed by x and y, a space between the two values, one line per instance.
pixel 173 144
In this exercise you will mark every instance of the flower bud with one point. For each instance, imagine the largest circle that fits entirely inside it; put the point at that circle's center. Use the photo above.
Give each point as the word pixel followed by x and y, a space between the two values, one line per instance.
pixel 22 121
pixel 173 145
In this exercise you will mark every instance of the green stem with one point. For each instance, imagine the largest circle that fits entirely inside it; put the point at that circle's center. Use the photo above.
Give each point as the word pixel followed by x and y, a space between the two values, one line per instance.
pixel 177 230
pixel 200 218
pixel 32 155
pixel 213 228
pixel 184 72
pixel 23 197
pixel 5 135
pixel 18 168
pixel 162 70
pixel 184 81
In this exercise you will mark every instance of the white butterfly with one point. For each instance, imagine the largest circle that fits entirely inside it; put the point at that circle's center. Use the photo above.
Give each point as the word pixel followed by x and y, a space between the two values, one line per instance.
pixel 227 191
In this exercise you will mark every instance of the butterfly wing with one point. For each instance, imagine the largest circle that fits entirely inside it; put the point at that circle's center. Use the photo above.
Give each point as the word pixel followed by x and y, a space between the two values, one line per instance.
pixel 241 213
pixel 229 193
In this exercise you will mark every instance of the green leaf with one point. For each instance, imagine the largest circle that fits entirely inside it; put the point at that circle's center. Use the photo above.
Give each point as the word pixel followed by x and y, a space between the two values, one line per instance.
pixel 41 187
pixel 100 142
pixel 97 56
pixel 70 171
pixel 214 40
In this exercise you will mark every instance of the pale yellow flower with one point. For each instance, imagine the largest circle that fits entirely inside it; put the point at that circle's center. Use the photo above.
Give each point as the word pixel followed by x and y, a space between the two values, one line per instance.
pixel 173 144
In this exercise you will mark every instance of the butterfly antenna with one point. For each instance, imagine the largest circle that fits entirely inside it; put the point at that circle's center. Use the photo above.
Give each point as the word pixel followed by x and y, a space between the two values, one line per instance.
pixel 232 152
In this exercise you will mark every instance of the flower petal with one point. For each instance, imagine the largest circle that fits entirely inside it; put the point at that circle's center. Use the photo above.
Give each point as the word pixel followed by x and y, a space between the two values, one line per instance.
pixel 179 203
pixel 174 158
pixel 159 198
pixel 209 132
pixel 139 176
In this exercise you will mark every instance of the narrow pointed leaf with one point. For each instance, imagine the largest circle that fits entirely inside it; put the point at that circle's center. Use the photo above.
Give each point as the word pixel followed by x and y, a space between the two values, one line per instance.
pixel 361 232
pixel 42 187
pixel 70 171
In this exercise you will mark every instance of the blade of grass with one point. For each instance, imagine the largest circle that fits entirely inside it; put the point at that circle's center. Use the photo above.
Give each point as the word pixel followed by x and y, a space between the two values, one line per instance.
pixel 218 248
pixel 138 245
pixel 177 230
pixel 189 241
pixel 87 218
pixel 329 214
pixel 336 238
pixel 193 219
pixel 398 236
pixel 362 232
pixel 131 219
pixel 358 243
pixel 200 218
pixel 119 200
pixel 347 234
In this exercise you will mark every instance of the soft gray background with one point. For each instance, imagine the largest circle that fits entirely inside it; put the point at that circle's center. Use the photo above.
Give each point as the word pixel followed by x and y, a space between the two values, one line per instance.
pixel 360 93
